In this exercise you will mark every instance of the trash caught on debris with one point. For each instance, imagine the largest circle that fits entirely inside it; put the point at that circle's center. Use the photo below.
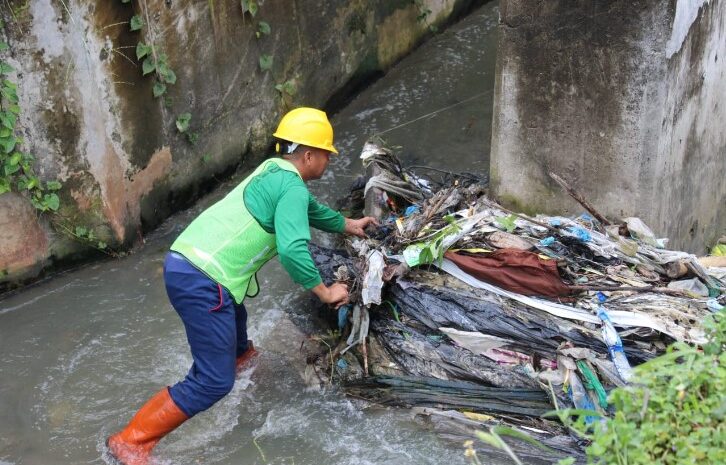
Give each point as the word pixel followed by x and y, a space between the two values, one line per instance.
pixel 461 307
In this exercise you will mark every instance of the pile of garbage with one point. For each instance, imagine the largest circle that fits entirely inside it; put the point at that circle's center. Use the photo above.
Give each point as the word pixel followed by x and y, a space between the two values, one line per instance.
pixel 475 316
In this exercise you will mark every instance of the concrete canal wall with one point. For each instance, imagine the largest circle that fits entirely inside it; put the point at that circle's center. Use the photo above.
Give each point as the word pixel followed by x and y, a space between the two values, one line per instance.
pixel 624 99
pixel 89 115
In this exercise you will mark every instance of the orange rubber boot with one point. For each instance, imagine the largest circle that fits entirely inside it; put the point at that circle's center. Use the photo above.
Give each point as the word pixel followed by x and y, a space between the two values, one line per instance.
pixel 157 418
pixel 244 360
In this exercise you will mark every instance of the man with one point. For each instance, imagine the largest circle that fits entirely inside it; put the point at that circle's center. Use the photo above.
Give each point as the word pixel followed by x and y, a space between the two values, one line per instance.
pixel 212 265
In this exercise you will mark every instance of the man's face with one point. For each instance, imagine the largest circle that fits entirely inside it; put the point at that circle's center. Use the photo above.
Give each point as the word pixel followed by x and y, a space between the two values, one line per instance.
pixel 318 162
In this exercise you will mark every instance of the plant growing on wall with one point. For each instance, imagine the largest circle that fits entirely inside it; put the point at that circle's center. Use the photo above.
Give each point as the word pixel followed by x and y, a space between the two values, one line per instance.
pixel 287 91
pixel 423 14
pixel 18 167
pixel 182 125
pixel 263 28
pixel 158 64
pixel 249 6
pixel 152 59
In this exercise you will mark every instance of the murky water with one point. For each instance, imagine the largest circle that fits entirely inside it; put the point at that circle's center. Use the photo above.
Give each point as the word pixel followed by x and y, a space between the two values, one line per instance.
pixel 81 352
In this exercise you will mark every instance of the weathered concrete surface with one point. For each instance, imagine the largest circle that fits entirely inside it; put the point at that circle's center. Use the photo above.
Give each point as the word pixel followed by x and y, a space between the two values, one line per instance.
pixel 624 99
pixel 25 243
pixel 90 118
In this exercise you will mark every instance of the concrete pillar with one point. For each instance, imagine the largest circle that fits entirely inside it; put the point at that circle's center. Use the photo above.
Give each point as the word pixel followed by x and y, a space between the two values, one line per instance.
pixel 624 99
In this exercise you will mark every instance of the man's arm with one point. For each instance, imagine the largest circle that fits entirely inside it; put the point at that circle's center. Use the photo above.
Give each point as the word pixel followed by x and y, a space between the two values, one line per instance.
pixel 328 220
pixel 323 217
pixel 292 234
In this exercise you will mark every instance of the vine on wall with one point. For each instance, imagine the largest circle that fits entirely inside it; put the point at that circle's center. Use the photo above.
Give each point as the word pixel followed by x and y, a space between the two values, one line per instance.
pixel 18 167
pixel 152 59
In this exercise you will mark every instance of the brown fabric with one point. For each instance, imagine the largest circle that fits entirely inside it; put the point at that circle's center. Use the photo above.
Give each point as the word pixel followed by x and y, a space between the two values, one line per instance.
pixel 515 270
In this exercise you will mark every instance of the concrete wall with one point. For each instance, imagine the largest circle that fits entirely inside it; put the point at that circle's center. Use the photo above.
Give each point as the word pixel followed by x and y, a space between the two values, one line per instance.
pixel 625 100
pixel 90 118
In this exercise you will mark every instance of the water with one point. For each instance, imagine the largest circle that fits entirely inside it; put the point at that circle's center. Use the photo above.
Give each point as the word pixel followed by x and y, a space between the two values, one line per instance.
pixel 82 351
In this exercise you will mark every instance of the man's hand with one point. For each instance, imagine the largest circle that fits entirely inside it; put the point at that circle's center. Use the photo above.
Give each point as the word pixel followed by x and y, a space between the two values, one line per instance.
pixel 357 227
pixel 335 295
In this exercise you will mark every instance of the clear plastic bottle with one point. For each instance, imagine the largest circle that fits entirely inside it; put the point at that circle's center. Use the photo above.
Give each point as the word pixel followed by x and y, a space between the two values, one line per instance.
pixel 615 345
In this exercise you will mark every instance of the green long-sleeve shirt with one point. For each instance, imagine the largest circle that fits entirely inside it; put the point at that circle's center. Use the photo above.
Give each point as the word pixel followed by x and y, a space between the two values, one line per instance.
pixel 281 203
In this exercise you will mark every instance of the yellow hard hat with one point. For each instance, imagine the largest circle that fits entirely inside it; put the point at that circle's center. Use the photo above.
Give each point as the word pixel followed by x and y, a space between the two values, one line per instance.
pixel 307 126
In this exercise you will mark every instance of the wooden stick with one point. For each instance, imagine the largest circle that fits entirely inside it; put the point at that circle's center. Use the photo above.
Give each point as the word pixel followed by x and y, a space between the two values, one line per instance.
pixel 581 200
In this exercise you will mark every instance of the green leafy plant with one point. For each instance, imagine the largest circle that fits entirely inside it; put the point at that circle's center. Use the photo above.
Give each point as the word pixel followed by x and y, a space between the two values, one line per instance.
pixel 249 6
pixel 263 28
pixel 507 222
pixel 18 167
pixel 192 137
pixel 671 413
pixel 136 23
pixel 433 249
pixel 287 91
pixel 423 14
pixel 153 63
pixel 287 88
pixel 83 234
pixel 88 235
pixel 266 62
pixel 182 122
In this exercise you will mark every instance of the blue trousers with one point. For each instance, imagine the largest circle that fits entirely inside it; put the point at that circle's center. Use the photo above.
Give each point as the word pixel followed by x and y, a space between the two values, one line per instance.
pixel 216 329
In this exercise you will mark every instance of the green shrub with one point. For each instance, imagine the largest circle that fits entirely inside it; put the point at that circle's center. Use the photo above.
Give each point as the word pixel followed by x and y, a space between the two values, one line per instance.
pixel 673 411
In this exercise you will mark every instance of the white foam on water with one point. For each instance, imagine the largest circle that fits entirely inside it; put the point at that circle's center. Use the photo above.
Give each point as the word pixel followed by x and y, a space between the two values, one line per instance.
pixel 213 424
pixel 331 426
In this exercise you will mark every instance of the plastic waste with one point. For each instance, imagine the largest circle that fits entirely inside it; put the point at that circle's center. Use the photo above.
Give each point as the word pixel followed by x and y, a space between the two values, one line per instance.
pixel 361 324
pixel 579 396
pixel 547 241
pixel 580 233
pixel 714 306
pixel 593 384
pixel 373 281
pixel 641 231
pixel 694 286
pixel 411 210
pixel 586 217
pixel 412 254
pixel 615 345
pixel 475 341
pixel 343 316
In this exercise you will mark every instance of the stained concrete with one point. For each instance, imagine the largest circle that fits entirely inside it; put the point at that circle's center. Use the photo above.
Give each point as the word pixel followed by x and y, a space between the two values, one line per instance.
pixel 624 100
pixel 90 118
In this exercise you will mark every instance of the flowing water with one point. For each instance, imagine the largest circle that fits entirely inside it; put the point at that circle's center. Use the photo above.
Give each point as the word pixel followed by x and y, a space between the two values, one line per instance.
pixel 79 353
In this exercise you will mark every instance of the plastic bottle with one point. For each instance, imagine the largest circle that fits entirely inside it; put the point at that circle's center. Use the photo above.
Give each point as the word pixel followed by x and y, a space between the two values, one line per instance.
pixel 615 345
